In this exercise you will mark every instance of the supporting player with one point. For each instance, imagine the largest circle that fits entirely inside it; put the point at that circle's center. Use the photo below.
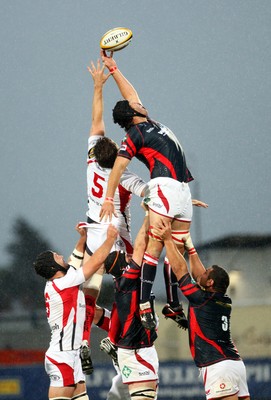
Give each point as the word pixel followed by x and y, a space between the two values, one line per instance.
pixel 136 354
pixel 65 307
pixel 214 353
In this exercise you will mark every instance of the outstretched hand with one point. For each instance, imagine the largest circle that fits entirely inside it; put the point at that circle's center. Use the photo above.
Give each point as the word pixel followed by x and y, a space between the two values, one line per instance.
pixel 199 203
pixel 108 60
pixel 97 73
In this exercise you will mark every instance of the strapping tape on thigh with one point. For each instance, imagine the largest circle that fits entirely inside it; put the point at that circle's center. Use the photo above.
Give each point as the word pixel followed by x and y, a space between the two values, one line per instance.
pixel 143 393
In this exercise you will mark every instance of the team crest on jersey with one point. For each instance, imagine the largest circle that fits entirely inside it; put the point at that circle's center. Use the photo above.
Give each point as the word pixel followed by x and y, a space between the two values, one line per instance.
pixel 126 371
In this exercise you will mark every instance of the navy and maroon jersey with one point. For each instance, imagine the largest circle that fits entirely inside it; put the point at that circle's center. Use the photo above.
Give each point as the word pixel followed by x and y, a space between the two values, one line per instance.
pixel 158 148
pixel 133 334
pixel 209 324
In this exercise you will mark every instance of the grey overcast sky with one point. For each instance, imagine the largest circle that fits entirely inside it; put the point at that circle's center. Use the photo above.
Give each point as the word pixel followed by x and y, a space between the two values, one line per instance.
pixel 200 67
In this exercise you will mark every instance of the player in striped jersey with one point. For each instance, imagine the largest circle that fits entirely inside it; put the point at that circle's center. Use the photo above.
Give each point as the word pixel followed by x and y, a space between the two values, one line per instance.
pixel 65 308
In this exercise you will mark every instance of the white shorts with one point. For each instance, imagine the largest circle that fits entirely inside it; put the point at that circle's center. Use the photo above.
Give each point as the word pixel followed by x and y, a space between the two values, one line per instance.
pixel 225 378
pixel 118 390
pixel 96 235
pixel 170 198
pixel 64 367
pixel 138 365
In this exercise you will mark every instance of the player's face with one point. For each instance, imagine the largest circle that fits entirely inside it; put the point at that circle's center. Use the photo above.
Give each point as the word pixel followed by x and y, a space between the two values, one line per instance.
pixel 139 108
pixel 60 260
pixel 204 280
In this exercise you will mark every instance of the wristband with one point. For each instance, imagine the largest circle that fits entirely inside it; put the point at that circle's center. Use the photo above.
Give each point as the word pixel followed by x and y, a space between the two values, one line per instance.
pixel 78 254
pixel 113 69
pixel 109 199
pixel 192 251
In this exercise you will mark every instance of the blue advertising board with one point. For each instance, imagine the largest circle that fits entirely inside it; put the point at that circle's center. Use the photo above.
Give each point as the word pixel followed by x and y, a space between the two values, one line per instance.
pixel 178 380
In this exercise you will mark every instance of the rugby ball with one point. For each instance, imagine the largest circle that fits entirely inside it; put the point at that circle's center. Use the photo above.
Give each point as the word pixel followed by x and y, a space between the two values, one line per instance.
pixel 116 39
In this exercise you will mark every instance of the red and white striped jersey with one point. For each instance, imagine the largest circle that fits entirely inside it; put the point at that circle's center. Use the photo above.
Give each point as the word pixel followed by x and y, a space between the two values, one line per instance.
pixel 97 180
pixel 65 309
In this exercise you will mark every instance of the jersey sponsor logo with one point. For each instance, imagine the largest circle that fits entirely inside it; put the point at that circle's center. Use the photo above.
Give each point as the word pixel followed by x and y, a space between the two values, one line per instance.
pixel 144 373
pixel 157 205
pixel 126 371
pixel 222 387
pixel 54 327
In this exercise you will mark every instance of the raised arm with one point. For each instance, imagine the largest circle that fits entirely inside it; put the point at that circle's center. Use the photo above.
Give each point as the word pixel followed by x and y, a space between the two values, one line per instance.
pixel 76 258
pixel 175 258
pixel 108 208
pixel 99 256
pixel 196 266
pixel 126 89
pixel 99 78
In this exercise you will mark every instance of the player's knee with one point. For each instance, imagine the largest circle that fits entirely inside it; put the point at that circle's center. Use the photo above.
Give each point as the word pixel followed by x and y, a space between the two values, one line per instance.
pixel 81 396
pixel 142 394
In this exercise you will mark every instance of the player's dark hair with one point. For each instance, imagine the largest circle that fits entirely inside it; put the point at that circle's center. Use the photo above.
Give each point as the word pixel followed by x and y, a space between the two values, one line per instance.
pixel 105 152
pixel 46 266
pixel 123 114
pixel 115 263
pixel 220 277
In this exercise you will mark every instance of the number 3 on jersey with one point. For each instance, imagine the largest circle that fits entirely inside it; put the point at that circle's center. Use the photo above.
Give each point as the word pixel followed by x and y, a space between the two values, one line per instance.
pixel 225 324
